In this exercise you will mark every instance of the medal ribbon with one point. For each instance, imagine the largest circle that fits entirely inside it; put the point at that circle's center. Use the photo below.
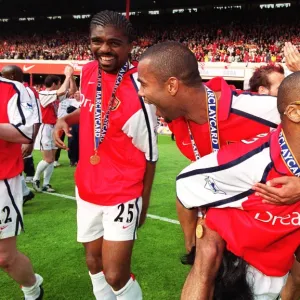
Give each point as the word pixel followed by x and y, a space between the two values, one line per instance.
pixel 287 155
pixel 194 146
pixel 212 117
pixel 99 130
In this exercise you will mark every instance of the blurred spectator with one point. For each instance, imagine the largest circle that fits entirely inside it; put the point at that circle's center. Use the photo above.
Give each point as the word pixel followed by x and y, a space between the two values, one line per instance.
pixel 266 80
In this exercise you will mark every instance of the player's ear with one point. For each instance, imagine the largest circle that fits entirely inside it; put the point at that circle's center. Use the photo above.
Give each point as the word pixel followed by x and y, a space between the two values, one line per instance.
pixel 293 113
pixel 262 90
pixel 172 85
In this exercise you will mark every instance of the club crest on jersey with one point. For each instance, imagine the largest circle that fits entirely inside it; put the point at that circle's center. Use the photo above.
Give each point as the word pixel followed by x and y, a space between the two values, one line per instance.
pixel 212 186
pixel 116 103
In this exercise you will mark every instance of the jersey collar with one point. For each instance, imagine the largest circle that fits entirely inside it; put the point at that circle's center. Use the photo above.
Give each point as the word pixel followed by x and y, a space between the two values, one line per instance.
pixel 218 84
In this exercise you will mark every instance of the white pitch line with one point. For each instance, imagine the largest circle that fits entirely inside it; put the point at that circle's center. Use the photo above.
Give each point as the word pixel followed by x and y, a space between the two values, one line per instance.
pixel 149 216
pixel 61 196
pixel 163 219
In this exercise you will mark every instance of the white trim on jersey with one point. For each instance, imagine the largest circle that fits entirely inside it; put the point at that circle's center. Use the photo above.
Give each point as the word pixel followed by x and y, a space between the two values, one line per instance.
pixel 19 109
pixel 48 97
pixel 205 183
pixel 141 127
pixel 259 108
pixel 137 129
pixel 35 106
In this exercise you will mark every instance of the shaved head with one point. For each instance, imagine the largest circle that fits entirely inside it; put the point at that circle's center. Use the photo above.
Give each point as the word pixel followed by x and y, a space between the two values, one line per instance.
pixel 289 91
pixel 172 59
pixel 12 72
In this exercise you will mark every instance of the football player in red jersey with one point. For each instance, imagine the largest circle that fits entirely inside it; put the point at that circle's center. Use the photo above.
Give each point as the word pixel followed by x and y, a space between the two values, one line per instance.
pixel 49 99
pixel 117 156
pixel 260 233
pixel 203 119
pixel 14 72
pixel 16 128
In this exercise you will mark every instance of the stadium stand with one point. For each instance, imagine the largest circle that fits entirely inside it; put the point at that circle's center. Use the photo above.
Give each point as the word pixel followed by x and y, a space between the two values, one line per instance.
pixel 213 35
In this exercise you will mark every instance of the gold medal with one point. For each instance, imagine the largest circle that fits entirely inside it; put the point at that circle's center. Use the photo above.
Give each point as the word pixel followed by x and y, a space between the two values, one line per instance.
pixel 199 231
pixel 95 159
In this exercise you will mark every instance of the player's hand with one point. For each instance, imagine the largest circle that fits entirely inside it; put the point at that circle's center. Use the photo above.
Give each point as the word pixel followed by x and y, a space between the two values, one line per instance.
pixel 292 57
pixel 27 150
pixel 60 127
pixel 69 71
pixel 288 191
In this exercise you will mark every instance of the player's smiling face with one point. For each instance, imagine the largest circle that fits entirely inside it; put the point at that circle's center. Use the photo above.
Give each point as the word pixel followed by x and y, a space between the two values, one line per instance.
pixel 155 92
pixel 110 47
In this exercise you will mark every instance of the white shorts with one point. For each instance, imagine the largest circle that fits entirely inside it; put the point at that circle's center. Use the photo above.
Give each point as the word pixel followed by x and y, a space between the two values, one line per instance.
pixel 11 207
pixel 44 139
pixel 114 223
pixel 265 287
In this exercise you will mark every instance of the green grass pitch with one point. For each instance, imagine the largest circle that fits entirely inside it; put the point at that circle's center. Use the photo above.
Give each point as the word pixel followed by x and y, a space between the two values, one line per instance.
pixel 50 238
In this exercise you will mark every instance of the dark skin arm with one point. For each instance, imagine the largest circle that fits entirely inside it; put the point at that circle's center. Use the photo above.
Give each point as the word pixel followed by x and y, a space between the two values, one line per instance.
pixel 148 181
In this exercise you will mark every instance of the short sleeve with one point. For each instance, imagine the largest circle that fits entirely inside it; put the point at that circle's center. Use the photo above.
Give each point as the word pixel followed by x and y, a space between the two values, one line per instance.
pixel 47 97
pixel 141 127
pixel 20 111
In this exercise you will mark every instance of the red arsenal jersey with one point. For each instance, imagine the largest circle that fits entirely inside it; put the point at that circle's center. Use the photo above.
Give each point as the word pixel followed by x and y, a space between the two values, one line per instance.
pixel 240 116
pixel 49 105
pixel 129 142
pixel 264 235
pixel 16 109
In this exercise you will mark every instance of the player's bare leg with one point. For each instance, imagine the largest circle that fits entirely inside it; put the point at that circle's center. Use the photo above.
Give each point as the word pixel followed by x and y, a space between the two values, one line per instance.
pixel 291 291
pixel 19 268
pixel 116 265
pixel 199 284
pixel 16 264
pixel 188 223
pixel 93 256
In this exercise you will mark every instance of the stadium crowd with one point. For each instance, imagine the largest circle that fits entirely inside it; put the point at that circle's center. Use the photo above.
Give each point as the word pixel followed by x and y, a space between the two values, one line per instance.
pixel 113 186
pixel 216 35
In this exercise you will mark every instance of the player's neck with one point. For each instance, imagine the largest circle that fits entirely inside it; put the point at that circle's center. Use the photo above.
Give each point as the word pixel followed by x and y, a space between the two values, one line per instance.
pixel 292 134
pixel 196 105
pixel 196 110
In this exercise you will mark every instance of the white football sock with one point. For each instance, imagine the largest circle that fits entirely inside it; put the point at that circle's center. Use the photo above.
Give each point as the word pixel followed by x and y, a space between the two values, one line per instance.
pixel 102 290
pixel 33 292
pixel 41 167
pixel 48 173
pixel 130 291
pixel 25 189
